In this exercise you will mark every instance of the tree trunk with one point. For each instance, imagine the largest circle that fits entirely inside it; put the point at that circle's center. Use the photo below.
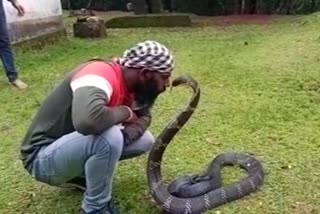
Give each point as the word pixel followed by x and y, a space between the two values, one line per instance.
pixel 281 4
pixel 243 6
pixel 313 5
pixel 140 7
pixel 236 7
pixel 222 5
pixel 288 6
pixel 253 7
pixel 155 6
pixel 89 4
pixel 148 2
pixel 69 4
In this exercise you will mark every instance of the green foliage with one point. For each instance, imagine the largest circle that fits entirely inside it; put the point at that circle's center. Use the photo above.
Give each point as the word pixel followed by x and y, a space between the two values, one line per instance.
pixel 215 7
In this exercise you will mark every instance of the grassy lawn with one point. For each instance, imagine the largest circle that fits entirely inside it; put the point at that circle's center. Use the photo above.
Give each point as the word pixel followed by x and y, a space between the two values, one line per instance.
pixel 262 98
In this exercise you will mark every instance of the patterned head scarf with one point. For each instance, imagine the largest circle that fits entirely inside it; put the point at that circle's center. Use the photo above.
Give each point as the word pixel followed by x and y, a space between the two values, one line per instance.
pixel 148 55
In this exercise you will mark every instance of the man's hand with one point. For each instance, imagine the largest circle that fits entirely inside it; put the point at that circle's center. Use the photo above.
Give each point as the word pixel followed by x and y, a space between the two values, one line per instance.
pixel 132 118
pixel 18 6
pixel 134 130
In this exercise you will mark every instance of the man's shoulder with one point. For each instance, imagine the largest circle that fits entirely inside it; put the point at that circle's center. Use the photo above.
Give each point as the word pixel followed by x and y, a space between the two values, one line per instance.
pixel 99 68
pixel 99 74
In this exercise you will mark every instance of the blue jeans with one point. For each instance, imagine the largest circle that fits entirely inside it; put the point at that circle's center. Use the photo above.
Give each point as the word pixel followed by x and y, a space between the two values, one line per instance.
pixel 96 157
pixel 6 53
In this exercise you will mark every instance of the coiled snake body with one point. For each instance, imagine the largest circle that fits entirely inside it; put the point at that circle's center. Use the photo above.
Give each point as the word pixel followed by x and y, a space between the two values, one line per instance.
pixel 196 194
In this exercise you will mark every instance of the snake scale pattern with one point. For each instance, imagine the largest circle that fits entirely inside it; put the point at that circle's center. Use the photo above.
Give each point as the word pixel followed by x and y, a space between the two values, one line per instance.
pixel 199 193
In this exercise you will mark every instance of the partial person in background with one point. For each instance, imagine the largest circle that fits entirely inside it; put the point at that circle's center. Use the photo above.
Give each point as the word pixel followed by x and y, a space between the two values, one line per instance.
pixel 6 52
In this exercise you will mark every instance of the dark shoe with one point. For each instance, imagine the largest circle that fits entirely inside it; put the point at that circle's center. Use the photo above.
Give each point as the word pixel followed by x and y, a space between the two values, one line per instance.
pixel 110 208
pixel 77 183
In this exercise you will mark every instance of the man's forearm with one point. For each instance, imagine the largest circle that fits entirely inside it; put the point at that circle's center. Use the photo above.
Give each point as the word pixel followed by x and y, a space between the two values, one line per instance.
pixel 132 132
pixel 90 115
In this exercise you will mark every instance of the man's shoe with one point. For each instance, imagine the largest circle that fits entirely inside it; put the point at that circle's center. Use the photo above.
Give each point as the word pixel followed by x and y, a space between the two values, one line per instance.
pixel 110 208
pixel 19 84
pixel 78 183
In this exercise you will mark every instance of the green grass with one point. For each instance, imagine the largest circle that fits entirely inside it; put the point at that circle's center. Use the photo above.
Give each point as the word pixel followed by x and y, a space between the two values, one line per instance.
pixel 262 98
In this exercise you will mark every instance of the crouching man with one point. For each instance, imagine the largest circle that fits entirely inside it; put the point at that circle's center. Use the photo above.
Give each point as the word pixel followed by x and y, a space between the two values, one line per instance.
pixel 97 116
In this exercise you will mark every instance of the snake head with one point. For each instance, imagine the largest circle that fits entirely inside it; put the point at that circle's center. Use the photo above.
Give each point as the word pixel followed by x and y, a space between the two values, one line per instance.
pixel 185 80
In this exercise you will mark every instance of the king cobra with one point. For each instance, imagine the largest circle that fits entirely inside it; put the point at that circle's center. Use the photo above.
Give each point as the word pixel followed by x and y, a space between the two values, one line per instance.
pixel 198 193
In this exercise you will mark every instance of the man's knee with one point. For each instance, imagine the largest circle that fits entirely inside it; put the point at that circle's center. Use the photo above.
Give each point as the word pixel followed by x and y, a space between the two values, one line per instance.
pixel 112 140
pixel 147 141
pixel 141 146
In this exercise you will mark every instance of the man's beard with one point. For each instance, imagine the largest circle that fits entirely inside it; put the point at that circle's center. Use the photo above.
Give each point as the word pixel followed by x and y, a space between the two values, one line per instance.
pixel 146 94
